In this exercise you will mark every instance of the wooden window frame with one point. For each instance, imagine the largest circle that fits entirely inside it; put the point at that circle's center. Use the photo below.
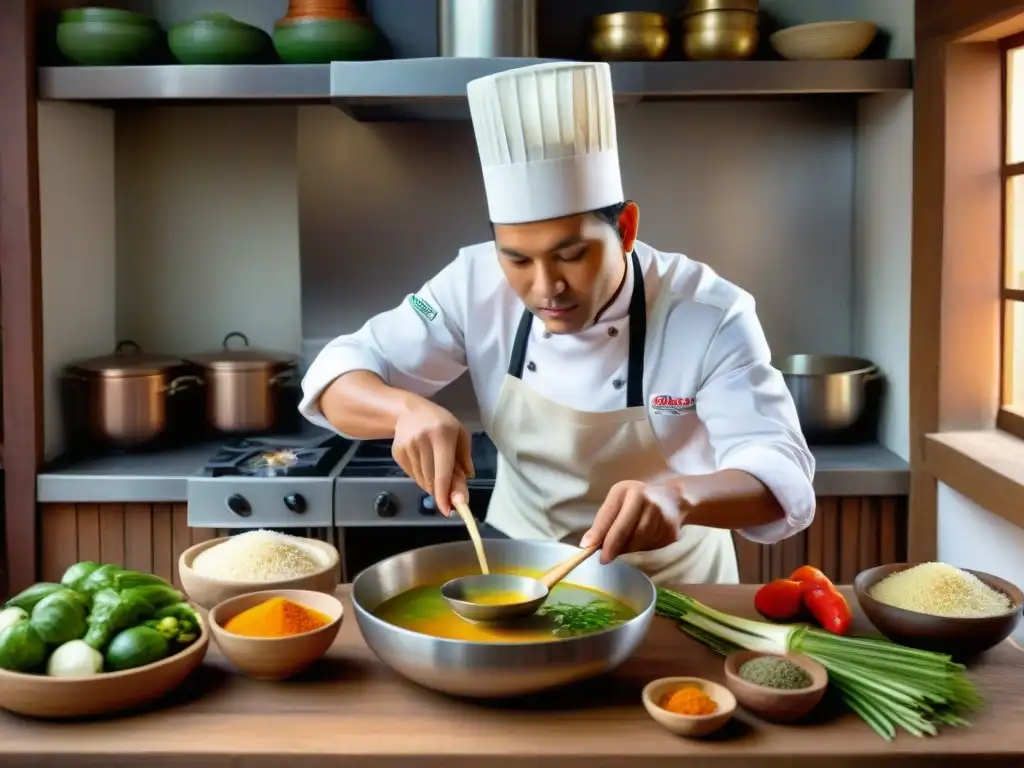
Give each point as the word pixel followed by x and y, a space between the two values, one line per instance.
pixel 1010 417
pixel 961 434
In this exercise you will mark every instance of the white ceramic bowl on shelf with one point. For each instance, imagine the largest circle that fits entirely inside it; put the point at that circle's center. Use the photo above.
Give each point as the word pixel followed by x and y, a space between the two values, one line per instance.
pixel 824 40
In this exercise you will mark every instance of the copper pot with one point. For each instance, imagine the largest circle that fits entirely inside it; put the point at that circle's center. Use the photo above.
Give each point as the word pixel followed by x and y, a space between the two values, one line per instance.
pixel 123 398
pixel 323 9
pixel 242 385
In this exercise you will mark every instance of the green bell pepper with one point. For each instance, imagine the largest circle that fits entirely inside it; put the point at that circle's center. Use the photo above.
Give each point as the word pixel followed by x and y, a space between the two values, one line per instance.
pixel 77 573
pixel 181 611
pixel 179 623
pixel 27 598
pixel 136 580
pixel 157 595
pixel 102 578
pixel 21 648
pixel 59 617
pixel 112 612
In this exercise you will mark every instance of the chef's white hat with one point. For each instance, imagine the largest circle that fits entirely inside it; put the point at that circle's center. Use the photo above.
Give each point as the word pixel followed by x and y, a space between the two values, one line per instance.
pixel 546 138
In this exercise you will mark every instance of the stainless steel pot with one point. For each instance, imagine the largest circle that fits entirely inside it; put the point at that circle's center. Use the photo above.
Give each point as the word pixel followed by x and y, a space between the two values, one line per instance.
pixel 242 385
pixel 498 670
pixel 125 395
pixel 828 390
pixel 487 28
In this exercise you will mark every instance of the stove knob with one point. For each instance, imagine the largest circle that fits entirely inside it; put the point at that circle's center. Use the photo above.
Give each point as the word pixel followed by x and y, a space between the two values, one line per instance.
pixel 240 505
pixel 296 502
pixel 428 506
pixel 384 505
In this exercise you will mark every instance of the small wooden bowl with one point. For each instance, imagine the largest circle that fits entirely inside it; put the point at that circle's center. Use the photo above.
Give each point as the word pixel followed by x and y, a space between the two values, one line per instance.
pixel 103 694
pixel 276 658
pixel 208 592
pixel 779 706
pixel 960 638
pixel 687 725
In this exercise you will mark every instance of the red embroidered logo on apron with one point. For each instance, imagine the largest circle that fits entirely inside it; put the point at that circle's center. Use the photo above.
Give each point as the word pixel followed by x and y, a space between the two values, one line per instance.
pixel 676 406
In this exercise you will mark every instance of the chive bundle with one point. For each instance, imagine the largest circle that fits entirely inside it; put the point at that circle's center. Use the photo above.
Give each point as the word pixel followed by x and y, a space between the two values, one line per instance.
pixel 888 685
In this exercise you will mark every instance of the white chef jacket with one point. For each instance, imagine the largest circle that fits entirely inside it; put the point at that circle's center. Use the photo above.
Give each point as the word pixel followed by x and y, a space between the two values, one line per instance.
pixel 713 398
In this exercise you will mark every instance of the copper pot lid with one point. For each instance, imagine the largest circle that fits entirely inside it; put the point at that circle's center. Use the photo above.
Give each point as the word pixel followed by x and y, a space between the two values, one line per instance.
pixel 127 360
pixel 246 358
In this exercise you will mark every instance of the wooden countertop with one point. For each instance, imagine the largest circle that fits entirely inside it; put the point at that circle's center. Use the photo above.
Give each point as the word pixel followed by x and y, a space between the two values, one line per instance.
pixel 352 710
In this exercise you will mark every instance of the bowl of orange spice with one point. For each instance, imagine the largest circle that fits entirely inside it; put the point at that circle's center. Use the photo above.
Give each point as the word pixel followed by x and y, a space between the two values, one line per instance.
pixel 276 634
pixel 689 706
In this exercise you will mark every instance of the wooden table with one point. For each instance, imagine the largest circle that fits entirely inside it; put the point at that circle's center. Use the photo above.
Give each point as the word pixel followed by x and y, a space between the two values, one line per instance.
pixel 351 710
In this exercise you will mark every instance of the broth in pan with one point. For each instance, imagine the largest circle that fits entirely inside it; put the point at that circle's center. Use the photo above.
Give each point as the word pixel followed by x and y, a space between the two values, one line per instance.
pixel 569 611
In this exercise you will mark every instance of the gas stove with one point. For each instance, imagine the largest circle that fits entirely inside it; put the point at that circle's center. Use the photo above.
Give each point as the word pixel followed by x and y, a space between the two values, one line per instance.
pixel 371 489
pixel 321 480
pixel 268 482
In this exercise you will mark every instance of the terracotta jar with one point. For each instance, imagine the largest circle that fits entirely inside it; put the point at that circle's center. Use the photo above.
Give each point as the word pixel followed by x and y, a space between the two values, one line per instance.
pixel 323 9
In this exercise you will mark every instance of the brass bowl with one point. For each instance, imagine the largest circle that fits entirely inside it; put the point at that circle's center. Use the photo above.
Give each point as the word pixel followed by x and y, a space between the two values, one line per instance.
pixel 720 35
pixel 630 36
pixel 699 6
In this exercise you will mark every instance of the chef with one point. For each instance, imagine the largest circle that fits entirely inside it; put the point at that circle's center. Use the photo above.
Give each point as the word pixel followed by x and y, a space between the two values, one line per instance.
pixel 629 392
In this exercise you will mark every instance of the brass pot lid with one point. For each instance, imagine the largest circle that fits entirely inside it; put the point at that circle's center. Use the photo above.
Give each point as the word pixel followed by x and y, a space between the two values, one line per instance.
pixel 634 19
pixel 127 360
pixel 700 6
pixel 246 358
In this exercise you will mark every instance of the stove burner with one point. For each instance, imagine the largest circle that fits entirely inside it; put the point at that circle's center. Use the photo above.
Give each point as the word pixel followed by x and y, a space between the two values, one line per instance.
pixel 373 459
pixel 270 457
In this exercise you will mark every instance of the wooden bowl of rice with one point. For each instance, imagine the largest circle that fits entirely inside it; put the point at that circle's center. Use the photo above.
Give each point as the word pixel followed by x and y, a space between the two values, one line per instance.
pixel 937 607
pixel 216 570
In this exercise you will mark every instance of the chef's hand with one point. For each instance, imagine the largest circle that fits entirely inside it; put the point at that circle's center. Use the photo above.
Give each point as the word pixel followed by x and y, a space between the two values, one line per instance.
pixel 635 517
pixel 433 448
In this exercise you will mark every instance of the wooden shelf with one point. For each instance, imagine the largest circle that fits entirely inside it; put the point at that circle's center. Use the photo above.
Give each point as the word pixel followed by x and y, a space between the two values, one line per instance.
pixel 435 88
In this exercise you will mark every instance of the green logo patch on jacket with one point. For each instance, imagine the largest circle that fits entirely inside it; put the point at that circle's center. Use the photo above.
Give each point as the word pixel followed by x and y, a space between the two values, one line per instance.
pixel 422 307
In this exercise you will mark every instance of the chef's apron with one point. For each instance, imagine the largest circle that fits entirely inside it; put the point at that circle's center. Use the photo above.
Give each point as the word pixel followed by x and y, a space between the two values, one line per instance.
pixel 557 464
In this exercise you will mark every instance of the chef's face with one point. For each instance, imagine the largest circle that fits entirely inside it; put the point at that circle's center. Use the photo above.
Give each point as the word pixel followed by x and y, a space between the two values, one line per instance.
pixel 567 270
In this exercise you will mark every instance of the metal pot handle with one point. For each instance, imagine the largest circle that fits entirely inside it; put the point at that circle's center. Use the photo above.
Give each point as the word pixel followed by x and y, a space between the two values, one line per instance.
pixel 127 343
pixel 182 383
pixel 233 335
pixel 284 377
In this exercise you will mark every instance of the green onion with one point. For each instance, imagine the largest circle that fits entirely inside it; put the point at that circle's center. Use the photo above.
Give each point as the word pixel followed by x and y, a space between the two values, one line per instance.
pixel 887 685
pixel 573 619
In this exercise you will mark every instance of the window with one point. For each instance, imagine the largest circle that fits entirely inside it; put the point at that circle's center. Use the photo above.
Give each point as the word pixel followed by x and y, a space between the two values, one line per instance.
pixel 1011 414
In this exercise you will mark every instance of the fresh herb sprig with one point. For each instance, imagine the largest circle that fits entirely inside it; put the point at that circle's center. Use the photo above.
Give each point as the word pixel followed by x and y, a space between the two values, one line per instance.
pixel 581 619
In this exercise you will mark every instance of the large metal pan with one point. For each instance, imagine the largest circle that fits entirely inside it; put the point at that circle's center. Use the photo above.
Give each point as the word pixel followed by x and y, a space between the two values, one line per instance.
pixel 498 670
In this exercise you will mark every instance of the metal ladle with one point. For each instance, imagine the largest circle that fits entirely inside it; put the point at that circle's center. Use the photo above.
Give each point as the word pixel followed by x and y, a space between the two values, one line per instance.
pixel 458 593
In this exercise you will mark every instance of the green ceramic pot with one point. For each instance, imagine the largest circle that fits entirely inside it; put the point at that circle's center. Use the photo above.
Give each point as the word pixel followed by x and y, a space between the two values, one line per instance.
pixel 105 43
pixel 216 38
pixel 321 41
pixel 111 15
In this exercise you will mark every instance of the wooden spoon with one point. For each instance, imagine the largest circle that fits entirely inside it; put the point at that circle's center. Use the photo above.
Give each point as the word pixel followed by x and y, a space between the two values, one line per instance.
pixel 474 533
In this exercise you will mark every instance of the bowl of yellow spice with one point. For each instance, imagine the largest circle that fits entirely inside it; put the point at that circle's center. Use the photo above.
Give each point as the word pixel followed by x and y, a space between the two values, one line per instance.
pixel 276 634
pixel 689 706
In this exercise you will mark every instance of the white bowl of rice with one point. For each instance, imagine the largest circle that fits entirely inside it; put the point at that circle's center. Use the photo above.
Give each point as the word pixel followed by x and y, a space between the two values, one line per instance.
pixel 254 561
